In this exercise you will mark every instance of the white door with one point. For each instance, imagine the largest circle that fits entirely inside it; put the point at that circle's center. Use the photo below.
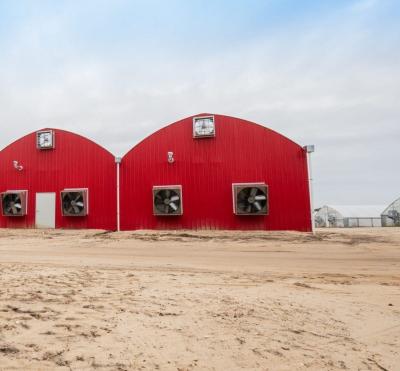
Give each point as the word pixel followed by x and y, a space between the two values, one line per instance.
pixel 45 210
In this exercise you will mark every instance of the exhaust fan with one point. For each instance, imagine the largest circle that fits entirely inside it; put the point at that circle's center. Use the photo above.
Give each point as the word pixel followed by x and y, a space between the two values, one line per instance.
pixel 74 202
pixel 14 203
pixel 203 127
pixel 167 200
pixel 250 199
pixel 45 139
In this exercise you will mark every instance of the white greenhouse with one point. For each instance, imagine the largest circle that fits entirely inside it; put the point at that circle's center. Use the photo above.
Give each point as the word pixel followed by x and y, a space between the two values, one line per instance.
pixel 391 215
pixel 349 216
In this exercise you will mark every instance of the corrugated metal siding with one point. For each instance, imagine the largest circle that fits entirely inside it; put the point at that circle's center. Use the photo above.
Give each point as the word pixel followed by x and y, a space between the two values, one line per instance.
pixel 76 162
pixel 241 152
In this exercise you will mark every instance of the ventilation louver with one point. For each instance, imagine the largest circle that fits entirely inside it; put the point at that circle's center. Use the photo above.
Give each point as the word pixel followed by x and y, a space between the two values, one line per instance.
pixel 167 200
pixel 14 203
pixel 45 139
pixel 250 199
pixel 74 202
pixel 203 127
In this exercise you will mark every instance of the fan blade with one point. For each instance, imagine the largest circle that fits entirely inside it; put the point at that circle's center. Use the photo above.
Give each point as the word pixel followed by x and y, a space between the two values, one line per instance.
pixel 8 209
pixel 173 206
pixel 166 209
pixel 260 198
pixel 79 203
pixel 241 205
pixel 253 192
pixel 18 206
pixel 242 195
pixel 78 197
pixel 174 198
pixel 257 205
pixel 76 209
pixel 167 193
pixel 14 210
pixel 248 209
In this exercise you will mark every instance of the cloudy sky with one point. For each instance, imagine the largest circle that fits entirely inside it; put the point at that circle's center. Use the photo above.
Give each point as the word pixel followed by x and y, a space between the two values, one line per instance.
pixel 320 72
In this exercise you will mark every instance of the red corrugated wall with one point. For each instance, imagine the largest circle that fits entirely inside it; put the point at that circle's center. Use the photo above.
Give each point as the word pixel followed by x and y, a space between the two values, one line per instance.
pixel 241 152
pixel 76 162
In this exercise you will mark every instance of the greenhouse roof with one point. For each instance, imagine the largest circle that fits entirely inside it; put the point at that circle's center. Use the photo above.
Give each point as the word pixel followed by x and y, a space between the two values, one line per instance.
pixel 359 211
pixel 394 205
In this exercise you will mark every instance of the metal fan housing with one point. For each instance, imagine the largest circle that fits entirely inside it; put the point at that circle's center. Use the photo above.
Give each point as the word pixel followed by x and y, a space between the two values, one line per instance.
pixel 74 202
pixel 250 198
pixel 167 200
pixel 14 203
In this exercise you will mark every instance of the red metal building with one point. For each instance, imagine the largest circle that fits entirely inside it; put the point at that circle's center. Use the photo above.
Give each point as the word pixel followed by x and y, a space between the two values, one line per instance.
pixel 54 178
pixel 215 172
pixel 203 172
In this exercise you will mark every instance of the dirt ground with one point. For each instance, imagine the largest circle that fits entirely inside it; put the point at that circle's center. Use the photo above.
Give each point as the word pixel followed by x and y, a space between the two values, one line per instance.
pixel 83 300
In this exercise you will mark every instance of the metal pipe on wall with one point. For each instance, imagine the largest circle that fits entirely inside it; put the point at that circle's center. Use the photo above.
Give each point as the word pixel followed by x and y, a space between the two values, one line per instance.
pixel 118 162
pixel 310 149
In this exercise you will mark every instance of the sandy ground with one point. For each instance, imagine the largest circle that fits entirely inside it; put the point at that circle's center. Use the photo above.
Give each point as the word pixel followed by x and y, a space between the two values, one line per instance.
pixel 83 300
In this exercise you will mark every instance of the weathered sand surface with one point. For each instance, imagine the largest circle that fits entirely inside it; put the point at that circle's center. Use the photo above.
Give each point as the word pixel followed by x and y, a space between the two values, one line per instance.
pixel 200 300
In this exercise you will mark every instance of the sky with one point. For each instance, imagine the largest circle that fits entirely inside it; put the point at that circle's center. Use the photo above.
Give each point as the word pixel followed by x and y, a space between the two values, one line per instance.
pixel 319 72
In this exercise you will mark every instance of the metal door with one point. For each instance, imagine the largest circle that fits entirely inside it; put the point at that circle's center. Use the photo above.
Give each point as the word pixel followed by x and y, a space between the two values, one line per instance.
pixel 45 210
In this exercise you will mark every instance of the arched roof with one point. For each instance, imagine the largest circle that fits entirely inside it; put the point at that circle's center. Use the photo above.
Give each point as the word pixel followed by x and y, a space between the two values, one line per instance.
pixel 238 121
pixel 60 131
pixel 395 205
